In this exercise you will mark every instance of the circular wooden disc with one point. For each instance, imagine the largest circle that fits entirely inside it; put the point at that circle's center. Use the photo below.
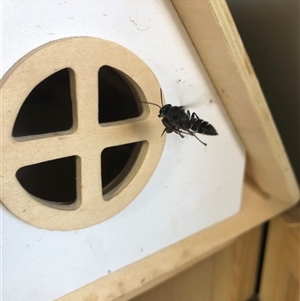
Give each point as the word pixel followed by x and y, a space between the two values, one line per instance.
pixel 84 56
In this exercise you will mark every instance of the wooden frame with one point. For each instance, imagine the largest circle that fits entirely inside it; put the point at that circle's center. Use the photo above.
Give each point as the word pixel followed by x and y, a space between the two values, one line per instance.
pixel 270 186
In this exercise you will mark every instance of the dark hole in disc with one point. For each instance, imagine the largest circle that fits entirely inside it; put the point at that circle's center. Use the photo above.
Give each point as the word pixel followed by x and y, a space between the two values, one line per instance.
pixel 53 181
pixel 48 107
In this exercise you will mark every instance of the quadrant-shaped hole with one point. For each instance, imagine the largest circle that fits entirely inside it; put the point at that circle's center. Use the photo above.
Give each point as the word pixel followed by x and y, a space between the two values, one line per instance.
pixel 51 181
pixel 116 98
pixel 117 163
pixel 48 107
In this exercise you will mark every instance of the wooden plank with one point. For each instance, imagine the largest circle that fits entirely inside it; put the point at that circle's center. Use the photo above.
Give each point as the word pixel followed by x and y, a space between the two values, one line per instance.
pixel 194 284
pixel 142 275
pixel 216 39
pixel 280 279
pixel 229 275
pixel 236 268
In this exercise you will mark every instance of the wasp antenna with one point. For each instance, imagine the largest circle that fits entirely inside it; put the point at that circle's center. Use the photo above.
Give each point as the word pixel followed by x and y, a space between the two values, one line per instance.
pixel 151 103
pixel 161 100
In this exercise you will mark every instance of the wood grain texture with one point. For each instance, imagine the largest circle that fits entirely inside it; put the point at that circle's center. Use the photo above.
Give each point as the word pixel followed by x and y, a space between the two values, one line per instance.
pixel 192 285
pixel 281 270
pixel 229 275
pixel 235 268
pixel 143 275
pixel 216 39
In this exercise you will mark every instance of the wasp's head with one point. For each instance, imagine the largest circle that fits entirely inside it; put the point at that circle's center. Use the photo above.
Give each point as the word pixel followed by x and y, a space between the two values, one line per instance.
pixel 164 111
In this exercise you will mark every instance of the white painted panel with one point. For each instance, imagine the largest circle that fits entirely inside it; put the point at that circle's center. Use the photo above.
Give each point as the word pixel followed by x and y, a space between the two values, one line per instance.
pixel 193 187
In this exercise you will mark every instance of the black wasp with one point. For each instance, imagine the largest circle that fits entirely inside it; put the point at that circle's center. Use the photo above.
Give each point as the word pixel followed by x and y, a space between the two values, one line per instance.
pixel 180 121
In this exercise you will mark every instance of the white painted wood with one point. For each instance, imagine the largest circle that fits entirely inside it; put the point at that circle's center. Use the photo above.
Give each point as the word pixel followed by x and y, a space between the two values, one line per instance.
pixel 192 188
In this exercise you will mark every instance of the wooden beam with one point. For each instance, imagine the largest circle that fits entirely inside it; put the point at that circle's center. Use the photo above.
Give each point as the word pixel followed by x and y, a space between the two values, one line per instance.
pixel 215 37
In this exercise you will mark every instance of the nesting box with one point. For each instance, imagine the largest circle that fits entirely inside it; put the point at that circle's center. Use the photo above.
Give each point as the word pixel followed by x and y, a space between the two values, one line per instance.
pixel 87 176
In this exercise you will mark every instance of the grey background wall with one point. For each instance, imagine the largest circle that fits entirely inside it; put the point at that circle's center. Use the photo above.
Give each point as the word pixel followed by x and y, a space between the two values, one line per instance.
pixel 270 32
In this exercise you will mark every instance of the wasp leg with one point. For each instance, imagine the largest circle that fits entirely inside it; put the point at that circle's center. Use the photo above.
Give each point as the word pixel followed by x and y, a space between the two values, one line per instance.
pixel 179 132
pixel 189 114
pixel 193 134
pixel 199 140
pixel 187 132
pixel 195 116
pixel 163 132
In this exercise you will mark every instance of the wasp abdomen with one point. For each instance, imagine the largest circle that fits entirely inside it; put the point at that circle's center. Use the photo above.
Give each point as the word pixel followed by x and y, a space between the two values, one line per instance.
pixel 203 127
